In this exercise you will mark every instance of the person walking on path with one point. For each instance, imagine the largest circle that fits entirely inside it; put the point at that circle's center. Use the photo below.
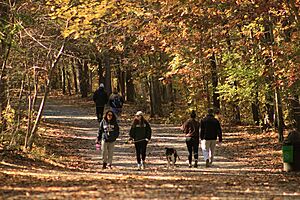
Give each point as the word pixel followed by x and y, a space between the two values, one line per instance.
pixel 100 98
pixel 191 131
pixel 210 130
pixel 107 134
pixel 116 102
pixel 140 133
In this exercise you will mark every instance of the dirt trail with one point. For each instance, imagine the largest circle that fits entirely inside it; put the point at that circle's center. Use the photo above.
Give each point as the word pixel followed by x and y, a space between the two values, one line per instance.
pixel 246 166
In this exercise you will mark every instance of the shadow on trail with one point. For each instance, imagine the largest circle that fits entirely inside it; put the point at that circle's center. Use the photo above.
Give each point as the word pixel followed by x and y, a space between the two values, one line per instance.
pixel 72 133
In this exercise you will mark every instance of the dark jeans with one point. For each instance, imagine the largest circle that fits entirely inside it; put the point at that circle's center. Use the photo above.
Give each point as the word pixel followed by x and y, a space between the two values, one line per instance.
pixel 192 146
pixel 140 149
pixel 99 113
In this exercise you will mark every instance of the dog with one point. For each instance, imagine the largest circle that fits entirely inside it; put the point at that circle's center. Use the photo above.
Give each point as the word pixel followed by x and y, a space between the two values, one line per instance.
pixel 172 156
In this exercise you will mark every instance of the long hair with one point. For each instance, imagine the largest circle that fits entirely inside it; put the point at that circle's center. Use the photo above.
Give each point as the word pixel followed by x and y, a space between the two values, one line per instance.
pixel 137 121
pixel 113 119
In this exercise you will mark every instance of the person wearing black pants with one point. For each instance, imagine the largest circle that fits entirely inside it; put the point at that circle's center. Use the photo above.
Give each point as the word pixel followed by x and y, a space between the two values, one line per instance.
pixel 140 149
pixel 191 131
pixel 100 98
pixel 193 147
pixel 140 133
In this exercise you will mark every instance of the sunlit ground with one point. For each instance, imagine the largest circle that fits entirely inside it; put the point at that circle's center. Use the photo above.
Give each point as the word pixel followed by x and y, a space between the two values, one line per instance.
pixel 242 168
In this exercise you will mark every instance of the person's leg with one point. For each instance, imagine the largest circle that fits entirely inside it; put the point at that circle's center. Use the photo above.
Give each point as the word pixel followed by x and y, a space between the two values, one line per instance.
pixel 104 153
pixel 205 151
pixel 190 150
pixel 98 113
pixel 196 150
pixel 212 150
pixel 138 152
pixel 101 111
pixel 111 147
pixel 143 152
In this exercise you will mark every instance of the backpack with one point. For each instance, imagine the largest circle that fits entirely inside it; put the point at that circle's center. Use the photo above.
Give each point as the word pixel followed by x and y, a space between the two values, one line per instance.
pixel 117 102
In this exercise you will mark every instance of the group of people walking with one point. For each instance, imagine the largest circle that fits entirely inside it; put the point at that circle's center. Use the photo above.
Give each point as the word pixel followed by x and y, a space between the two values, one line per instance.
pixel 208 130
pixel 140 132
pixel 115 101
pixel 204 132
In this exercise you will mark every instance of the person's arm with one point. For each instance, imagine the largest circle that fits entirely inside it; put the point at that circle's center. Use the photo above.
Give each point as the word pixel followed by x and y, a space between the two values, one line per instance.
pixel 132 132
pixel 185 128
pixel 219 131
pixel 95 96
pixel 105 97
pixel 201 130
pixel 148 131
pixel 100 132
pixel 117 129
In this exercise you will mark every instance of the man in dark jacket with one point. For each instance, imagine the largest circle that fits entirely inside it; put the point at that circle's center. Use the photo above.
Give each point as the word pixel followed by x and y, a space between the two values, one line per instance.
pixel 191 131
pixel 100 98
pixel 116 102
pixel 210 130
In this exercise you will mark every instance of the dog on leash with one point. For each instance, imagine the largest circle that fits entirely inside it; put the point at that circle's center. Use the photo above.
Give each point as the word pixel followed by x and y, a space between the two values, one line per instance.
pixel 172 156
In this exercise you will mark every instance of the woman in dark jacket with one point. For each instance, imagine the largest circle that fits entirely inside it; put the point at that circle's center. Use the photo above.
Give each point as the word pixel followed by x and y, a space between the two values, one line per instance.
pixel 140 133
pixel 107 135
pixel 191 131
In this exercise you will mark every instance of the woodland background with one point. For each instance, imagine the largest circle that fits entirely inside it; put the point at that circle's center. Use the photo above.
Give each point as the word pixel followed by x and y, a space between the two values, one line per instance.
pixel 168 57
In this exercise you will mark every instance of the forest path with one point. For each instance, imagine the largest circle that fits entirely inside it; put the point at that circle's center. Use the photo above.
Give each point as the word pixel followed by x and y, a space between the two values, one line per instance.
pixel 247 165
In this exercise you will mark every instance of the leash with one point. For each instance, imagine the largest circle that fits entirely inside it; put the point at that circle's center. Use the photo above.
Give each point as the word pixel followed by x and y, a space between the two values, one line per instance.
pixel 145 139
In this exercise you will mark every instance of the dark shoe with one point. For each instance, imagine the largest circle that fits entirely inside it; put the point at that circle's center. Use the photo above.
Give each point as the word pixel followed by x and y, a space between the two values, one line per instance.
pixel 207 163
pixel 109 166
pixel 196 164
pixel 190 165
pixel 104 166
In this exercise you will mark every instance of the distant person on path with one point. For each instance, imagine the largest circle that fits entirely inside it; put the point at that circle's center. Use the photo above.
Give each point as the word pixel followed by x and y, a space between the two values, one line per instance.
pixel 191 131
pixel 140 133
pixel 107 135
pixel 100 98
pixel 116 102
pixel 210 130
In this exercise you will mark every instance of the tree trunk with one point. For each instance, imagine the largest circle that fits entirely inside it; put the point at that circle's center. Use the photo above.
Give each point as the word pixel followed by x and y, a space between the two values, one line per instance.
pixel 169 91
pixel 214 77
pixel 130 87
pixel 121 80
pixel 100 71
pixel 255 110
pixel 63 79
pixel 83 78
pixel 75 77
pixel 5 43
pixel 18 113
pixel 279 114
pixel 107 74
pixel 295 112
pixel 236 109
pixel 155 97
pixel 69 87
pixel 42 104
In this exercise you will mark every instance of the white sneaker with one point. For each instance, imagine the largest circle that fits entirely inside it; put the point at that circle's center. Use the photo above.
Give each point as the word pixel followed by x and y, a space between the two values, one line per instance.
pixel 143 165
pixel 139 166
